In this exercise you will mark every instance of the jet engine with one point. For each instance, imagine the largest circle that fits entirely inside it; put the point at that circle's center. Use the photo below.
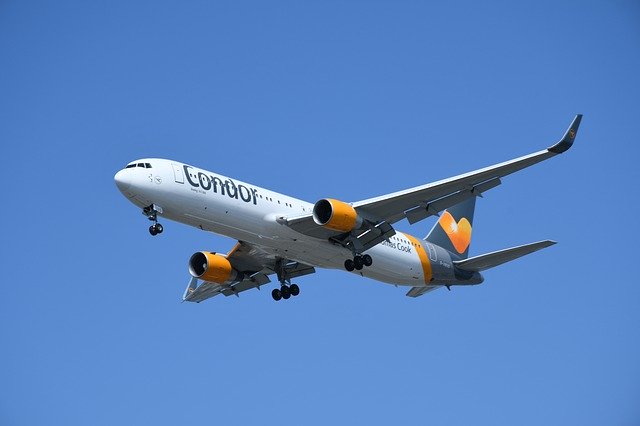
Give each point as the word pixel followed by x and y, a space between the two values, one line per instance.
pixel 213 267
pixel 336 215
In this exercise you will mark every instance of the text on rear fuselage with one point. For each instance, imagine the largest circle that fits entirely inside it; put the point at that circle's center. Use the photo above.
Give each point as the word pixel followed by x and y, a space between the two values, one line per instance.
pixel 397 246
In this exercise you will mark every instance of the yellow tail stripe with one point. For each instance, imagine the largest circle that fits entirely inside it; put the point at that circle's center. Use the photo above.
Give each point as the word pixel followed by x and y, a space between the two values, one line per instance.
pixel 424 259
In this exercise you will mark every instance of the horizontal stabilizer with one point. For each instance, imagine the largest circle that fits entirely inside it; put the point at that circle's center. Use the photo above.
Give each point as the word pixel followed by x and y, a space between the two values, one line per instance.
pixel 489 260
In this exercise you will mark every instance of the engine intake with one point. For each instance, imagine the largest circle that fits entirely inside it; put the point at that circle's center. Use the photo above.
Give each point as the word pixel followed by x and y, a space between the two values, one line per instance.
pixel 212 267
pixel 336 215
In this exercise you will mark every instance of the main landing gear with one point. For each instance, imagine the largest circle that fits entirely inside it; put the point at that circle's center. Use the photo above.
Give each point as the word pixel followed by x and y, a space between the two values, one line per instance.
pixel 285 292
pixel 152 214
pixel 286 289
pixel 359 261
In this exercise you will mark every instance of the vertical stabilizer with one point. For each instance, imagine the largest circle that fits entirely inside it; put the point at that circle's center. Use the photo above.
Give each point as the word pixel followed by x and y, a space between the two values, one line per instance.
pixel 453 230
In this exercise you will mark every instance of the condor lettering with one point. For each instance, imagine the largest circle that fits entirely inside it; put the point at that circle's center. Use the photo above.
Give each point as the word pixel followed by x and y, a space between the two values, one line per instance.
pixel 214 183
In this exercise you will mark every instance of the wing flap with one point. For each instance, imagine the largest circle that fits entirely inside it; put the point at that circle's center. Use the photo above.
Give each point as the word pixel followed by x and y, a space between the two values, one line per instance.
pixel 297 270
pixel 432 208
pixel 489 260
pixel 244 285
pixel 419 291
pixel 197 292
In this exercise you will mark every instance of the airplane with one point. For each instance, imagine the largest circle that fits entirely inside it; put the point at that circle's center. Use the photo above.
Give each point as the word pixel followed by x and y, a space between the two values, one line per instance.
pixel 289 238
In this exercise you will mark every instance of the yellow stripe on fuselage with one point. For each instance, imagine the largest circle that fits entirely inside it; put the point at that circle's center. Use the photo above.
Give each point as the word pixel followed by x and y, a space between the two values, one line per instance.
pixel 424 259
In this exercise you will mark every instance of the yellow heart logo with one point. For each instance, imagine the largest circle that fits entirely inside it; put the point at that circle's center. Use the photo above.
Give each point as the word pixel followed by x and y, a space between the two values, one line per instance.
pixel 459 233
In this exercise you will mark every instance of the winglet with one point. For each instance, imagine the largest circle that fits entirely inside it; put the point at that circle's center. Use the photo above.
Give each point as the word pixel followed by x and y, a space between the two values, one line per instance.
pixel 568 138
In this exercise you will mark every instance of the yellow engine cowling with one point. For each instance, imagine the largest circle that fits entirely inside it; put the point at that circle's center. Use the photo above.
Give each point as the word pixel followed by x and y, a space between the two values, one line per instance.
pixel 336 215
pixel 212 267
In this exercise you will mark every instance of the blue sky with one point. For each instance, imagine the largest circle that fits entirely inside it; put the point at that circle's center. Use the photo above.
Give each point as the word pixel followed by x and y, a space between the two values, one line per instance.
pixel 314 100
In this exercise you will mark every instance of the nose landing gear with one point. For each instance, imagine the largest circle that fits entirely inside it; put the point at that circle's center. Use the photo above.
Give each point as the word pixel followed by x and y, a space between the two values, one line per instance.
pixel 156 229
pixel 359 261
pixel 152 214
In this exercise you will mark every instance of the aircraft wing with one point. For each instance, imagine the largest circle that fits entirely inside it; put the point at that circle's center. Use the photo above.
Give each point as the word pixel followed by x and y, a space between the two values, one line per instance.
pixel 423 201
pixel 256 263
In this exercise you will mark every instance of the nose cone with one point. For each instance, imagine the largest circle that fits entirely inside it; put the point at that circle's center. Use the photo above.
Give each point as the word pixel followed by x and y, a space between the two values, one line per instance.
pixel 123 180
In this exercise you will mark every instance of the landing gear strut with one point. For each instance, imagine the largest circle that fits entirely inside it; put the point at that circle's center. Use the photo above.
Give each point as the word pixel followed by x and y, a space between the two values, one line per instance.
pixel 286 289
pixel 358 262
pixel 152 214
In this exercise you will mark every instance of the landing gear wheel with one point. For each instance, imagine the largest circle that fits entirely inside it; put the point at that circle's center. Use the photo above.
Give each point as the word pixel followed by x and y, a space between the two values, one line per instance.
pixel 348 265
pixel 367 260
pixel 285 292
pixel 276 294
pixel 152 214
pixel 294 289
pixel 358 263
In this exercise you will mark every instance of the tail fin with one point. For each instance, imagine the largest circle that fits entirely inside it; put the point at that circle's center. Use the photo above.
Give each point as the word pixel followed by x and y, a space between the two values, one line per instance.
pixel 453 230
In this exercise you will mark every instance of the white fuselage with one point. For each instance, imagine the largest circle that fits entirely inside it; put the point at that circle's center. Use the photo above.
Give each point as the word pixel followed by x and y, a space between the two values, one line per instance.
pixel 249 213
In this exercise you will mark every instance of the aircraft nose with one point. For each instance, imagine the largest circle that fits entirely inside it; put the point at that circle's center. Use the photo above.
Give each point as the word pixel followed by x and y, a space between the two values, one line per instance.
pixel 123 180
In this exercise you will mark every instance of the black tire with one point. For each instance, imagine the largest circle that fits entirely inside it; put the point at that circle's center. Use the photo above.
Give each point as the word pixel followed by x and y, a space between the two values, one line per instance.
pixel 367 260
pixel 294 289
pixel 285 292
pixel 348 265
pixel 357 262
pixel 159 228
pixel 276 294
pixel 153 230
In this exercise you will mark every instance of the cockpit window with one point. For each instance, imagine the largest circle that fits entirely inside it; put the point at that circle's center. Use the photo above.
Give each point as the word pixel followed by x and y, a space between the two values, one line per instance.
pixel 143 165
